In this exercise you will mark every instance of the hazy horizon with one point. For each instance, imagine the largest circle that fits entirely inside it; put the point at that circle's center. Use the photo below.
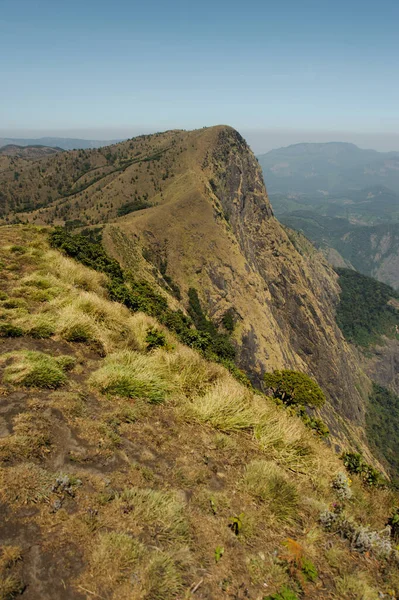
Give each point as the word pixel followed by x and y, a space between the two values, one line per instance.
pixel 260 140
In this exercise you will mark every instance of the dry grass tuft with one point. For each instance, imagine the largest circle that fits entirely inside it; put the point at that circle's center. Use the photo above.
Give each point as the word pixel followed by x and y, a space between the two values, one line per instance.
pixel 225 406
pixel 132 375
pixel 9 556
pixel 356 587
pixel 114 558
pixel 162 578
pixel 10 587
pixel 268 483
pixel 73 273
pixel 36 369
pixel 25 483
pixel 159 510
pixel 31 437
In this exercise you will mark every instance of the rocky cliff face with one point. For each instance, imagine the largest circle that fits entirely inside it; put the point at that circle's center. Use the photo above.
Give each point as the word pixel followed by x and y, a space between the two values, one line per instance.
pixel 219 235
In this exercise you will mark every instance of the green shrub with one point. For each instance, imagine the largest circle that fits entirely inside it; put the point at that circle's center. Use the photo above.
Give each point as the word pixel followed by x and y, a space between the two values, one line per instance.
pixel 219 344
pixel 88 253
pixel 36 369
pixel 155 338
pixel 294 388
pixel 132 206
pixel 355 464
pixel 10 330
pixel 16 249
pixel 284 594
pixel 314 423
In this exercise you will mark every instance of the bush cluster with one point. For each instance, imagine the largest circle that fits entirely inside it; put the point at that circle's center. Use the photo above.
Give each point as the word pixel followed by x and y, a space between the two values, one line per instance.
pixel 155 338
pixel 355 463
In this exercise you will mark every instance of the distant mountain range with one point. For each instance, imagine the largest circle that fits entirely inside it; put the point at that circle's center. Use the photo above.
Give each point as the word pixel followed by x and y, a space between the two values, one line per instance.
pixel 344 199
pixel 58 142
pixel 28 152
pixel 328 168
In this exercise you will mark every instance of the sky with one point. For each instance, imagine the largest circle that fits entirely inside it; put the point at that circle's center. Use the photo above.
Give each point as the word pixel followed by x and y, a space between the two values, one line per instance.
pixel 280 71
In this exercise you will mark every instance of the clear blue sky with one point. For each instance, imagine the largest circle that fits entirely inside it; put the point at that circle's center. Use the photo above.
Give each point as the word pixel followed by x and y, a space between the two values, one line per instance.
pixel 127 65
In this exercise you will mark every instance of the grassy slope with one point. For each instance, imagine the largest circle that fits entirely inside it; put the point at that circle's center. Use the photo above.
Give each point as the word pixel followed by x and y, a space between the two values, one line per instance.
pixel 129 499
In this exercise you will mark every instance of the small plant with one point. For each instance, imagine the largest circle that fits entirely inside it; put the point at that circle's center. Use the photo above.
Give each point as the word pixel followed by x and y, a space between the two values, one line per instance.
pixel 219 551
pixel 236 524
pixel 362 539
pixel 284 594
pixel 10 330
pixel 155 338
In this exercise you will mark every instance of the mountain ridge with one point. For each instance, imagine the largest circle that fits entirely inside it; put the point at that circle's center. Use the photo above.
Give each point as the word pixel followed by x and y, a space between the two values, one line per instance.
pixel 208 217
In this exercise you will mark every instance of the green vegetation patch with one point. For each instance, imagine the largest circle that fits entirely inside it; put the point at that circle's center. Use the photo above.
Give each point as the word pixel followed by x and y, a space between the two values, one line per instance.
pixel 36 369
pixel 364 312
pixel 132 206
pixel 284 594
pixel 382 426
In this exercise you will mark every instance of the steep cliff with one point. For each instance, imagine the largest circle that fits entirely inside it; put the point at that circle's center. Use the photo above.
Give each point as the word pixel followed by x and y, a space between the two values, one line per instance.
pixel 216 230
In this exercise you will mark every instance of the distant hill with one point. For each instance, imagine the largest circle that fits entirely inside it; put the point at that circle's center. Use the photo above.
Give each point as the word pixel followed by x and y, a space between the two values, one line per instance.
pixel 28 152
pixel 328 168
pixel 57 142
pixel 344 199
